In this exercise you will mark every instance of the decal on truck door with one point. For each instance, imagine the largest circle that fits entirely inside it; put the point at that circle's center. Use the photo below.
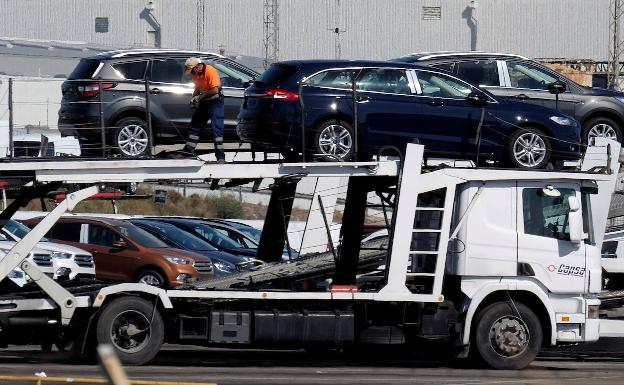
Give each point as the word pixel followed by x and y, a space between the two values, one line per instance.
pixel 577 271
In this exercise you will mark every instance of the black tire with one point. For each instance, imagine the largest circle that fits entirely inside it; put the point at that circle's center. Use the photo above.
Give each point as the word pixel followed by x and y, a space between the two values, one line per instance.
pixel 152 277
pixel 131 138
pixel 516 142
pixel 506 354
pixel 128 313
pixel 597 125
pixel 322 132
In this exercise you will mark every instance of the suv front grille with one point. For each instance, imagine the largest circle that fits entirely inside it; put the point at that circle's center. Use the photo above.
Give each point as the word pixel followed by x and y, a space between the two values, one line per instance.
pixel 84 260
pixel 203 267
pixel 42 259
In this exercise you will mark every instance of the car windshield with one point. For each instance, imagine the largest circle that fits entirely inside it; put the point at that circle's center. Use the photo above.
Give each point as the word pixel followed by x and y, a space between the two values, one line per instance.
pixel 180 237
pixel 18 229
pixel 251 232
pixel 213 236
pixel 141 236
pixel 84 69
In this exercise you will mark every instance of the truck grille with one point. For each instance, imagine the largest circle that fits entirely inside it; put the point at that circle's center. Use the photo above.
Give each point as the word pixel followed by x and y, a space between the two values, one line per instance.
pixel 42 259
pixel 203 267
pixel 84 260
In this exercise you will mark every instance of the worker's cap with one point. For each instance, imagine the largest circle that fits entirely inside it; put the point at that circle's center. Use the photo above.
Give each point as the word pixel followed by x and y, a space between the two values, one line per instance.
pixel 190 63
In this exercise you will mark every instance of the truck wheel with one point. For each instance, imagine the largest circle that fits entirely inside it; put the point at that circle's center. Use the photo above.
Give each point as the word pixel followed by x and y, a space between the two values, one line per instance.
pixel 134 327
pixel 131 137
pixel 507 336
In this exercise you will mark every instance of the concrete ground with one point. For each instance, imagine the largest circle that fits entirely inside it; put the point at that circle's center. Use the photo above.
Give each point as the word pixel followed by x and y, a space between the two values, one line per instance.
pixel 593 364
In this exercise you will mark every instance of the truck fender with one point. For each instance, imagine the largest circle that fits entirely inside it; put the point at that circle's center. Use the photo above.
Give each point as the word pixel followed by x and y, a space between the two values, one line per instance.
pixel 133 288
pixel 484 290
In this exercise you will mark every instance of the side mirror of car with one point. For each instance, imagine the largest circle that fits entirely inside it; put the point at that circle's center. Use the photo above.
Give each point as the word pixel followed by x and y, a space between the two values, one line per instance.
pixel 557 87
pixel 577 235
pixel 120 245
pixel 477 99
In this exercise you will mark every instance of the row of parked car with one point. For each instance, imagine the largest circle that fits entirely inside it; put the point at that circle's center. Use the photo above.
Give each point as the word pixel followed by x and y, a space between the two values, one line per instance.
pixel 470 105
pixel 159 251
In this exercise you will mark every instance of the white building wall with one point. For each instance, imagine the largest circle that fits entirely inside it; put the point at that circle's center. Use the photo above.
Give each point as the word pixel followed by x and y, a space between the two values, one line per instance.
pixel 377 29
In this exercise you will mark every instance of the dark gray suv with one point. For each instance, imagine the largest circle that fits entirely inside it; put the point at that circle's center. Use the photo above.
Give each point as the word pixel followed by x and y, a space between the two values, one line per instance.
pixel 600 111
pixel 118 79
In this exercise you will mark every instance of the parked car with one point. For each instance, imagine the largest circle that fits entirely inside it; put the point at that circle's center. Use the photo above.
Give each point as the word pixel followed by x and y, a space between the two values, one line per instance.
pixel 398 103
pixel 42 259
pixel 210 234
pixel 124 252
pixel 600 111
pixel 223 263
pixel 118 78
pixel 74 262
pixel 246 234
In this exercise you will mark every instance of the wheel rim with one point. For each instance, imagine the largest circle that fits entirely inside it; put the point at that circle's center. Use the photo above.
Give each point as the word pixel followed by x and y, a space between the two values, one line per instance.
pixel 601 130
pixel 335 140
pixel 132 140
pixel 529 149
pixel 130 331
pixel 509 336
pixel 151 280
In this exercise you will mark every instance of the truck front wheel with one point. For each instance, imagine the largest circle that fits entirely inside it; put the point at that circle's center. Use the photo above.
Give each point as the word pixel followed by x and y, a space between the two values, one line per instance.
pixel 507 335
pixel 134 327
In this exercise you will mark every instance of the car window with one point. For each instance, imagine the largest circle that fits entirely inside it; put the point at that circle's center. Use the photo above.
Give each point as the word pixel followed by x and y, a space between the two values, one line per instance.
pixel 334 79
pixel 213 236
pixel 481 72
pixel 85 69
pixel 546 216
pixel 609 249
pixel 132 71
pixel 140 236
pixel 442 86
pixel 169 71
pixel 66 231
pixel 180 237
pixel 230 75
pixel 237 237
pixel 100 235
pixel 18 229
pixel 276 74
pixel 386 80
pixel 527 75
pixel 445 66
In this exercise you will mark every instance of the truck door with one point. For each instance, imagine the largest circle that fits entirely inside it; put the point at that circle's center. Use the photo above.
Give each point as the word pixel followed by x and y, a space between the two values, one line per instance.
pixel 544 247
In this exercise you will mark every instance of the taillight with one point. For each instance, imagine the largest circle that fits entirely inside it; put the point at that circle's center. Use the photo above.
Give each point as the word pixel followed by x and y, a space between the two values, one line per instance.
pixel 93 89
pixel 282 95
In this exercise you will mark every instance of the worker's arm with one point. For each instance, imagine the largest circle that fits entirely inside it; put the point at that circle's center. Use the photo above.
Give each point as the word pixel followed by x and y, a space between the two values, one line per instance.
pixel 202 94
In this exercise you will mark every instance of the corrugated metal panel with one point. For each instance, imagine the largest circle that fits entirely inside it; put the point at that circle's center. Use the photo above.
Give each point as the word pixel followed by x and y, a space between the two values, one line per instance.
pixel 372 28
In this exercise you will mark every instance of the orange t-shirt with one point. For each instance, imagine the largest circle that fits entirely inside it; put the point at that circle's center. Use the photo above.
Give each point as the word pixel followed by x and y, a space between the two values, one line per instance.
pixel 208 80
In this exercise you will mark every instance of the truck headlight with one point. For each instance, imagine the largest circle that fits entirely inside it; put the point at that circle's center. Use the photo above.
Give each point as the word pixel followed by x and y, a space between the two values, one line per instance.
pixel 563 121
pixel 176 260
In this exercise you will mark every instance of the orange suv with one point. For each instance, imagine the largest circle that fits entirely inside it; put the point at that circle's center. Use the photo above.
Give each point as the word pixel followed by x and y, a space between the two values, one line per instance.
pixel 127 253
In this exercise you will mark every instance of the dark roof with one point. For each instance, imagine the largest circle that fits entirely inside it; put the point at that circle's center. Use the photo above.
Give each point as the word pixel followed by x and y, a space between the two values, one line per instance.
pixel 421 56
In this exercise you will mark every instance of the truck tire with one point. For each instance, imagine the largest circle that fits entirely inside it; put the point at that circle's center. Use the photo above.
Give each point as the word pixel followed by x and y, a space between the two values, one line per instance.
pixel 134 327
pixel 507 335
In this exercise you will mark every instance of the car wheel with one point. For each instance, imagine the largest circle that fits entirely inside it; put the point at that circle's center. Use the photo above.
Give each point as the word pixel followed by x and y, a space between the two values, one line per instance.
pixel 152 278
pixel 601 128
pixel 335 140
pixel 529 148
pixel 134 327
pixel 131 137
pixel 507 335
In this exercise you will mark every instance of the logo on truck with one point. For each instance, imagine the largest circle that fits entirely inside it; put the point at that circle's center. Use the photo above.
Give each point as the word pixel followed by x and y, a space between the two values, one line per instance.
pixel 577 271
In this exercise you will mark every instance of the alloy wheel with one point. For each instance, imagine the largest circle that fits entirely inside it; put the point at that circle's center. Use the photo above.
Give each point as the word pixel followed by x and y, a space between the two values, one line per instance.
pixel 601 130
pixel 509 336
pixel 529 149
pixel 130 331
pixel 151 280
pixel 335 140
pixel 132 140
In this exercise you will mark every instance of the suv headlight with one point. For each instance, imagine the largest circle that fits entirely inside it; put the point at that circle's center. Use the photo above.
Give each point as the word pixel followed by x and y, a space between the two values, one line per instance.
pixel 563 121
pixel 176 260
pixel 59 255
pixel 224 267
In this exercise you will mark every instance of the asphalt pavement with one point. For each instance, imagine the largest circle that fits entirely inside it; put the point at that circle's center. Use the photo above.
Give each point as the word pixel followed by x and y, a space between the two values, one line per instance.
pixel 595 364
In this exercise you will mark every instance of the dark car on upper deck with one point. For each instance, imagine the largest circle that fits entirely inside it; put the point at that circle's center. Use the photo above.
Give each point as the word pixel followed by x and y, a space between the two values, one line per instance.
pixel 397 103
pixel 117 82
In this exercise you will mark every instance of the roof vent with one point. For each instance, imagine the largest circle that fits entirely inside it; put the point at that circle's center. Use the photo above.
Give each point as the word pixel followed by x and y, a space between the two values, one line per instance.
pixel 101 24
pixel 432 13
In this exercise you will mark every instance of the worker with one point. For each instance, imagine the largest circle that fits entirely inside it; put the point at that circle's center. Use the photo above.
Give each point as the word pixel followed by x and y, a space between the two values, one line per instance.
pixel 208 99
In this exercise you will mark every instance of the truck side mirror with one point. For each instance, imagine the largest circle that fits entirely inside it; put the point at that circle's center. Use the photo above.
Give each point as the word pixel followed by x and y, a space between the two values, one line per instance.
pixel 576 221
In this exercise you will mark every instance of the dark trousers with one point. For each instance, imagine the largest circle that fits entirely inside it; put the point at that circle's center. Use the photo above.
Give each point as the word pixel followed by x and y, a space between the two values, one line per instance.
pixel 207 109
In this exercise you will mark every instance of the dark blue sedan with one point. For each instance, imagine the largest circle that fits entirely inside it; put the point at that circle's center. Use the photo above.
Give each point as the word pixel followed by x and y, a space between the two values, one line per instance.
pixel 395 104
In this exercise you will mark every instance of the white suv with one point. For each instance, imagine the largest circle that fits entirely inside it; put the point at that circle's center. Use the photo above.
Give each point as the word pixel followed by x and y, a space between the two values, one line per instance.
pixel 55 259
